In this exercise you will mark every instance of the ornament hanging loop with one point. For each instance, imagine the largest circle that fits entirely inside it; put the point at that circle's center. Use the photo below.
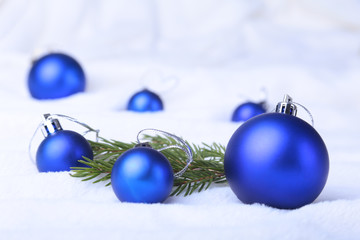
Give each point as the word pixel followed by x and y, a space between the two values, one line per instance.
pixel 154 79
pixel 287 106
pixel 264 102
pixel 184 147
pixel 89 129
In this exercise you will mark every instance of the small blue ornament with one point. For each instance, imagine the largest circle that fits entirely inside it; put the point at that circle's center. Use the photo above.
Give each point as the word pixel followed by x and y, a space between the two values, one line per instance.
pixel 145 101
pixel 61 149
pixel 142 175
pixel 248 110
pixel 55 75
pixel 277 159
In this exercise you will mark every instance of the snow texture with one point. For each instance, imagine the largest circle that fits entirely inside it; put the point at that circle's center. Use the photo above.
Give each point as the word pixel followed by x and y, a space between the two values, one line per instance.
pixel 204 58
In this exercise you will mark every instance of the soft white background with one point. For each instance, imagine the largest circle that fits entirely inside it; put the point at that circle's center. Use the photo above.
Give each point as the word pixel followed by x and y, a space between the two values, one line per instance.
pixel 222 53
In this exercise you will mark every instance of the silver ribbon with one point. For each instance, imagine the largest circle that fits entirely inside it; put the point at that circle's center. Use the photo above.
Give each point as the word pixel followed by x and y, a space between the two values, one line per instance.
pixel 184 147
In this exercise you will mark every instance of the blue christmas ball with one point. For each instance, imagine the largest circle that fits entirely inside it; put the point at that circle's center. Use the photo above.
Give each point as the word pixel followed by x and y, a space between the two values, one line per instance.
pixel 145 101
pixel 142 175
pixel 247 110
pixel 278 160
pixel 61 150
pixel 55 75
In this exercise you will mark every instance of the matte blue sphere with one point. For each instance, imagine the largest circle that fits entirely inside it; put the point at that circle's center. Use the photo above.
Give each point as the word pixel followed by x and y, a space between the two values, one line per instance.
pixel 145 101
pixel 55 75
pixel 61 150
pixel 142 175
pixel 278 160
pixel 246 111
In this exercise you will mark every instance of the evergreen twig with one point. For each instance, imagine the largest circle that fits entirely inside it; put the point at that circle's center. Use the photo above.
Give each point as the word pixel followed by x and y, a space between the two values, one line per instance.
pixel 207 166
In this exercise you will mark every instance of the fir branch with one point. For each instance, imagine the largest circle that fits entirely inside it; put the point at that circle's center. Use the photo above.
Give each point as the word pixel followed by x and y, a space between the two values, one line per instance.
pixel 207 166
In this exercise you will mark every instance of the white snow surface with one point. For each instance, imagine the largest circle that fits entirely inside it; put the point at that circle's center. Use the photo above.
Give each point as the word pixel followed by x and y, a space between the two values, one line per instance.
pixel 221 53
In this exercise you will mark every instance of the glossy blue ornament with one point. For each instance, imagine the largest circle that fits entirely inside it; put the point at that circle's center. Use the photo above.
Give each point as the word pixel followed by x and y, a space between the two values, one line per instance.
pixel 248 110
pixel 61 149
pixel 276 159
pixel 142 175
pixel 55 75
pixel 145 101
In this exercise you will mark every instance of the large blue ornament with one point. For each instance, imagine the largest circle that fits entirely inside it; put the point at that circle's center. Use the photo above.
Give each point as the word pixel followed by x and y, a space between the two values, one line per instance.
pixel 55 75
pixel 248 110
pixel 142 175
pixel 145 101
pixel 277 159
pixel 61 149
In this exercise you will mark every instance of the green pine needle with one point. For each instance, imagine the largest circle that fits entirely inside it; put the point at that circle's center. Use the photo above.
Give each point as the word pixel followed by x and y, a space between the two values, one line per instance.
pixel 207 166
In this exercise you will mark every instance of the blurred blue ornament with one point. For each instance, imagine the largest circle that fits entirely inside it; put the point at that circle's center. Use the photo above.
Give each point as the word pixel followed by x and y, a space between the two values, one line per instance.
pixel 55 75
pixel 61 149
pixel 277 159
pixel 142 175
pixel 145 101
pixel 248 110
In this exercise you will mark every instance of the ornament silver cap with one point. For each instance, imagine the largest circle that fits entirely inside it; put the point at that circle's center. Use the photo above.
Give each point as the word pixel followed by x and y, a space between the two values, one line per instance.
pixel 50 125
pixel 143 144
pixel 287 106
